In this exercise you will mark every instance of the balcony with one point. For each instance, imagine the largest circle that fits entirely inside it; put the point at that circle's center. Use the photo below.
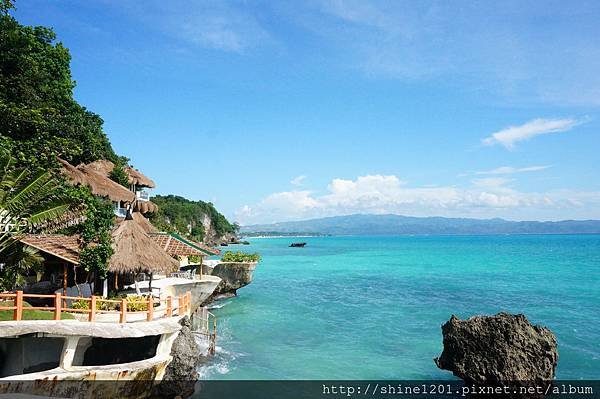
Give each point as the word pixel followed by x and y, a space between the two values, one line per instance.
pixel 120 212
pixel 142 195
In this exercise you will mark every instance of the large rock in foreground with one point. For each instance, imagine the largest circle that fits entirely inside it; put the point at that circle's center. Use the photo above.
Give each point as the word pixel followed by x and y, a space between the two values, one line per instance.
pixel 500 350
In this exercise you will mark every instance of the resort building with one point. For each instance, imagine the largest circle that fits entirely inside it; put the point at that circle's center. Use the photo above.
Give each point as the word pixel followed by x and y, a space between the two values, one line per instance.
pixel 140 252
pixel 95 175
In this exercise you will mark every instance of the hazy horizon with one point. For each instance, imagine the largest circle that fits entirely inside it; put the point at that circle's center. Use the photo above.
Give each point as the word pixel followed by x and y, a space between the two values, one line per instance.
pixel 410 216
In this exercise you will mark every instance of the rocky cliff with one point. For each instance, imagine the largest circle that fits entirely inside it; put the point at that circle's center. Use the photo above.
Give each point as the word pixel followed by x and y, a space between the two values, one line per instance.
pixel 197 220
pixel 180 375
pixel 234 275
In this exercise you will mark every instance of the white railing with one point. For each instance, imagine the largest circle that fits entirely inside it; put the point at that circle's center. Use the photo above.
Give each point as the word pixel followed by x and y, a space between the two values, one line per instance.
pixel 142 195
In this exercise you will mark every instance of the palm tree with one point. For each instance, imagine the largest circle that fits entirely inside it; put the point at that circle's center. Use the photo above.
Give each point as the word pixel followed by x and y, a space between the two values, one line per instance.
pixel 28 201
pixel 20 261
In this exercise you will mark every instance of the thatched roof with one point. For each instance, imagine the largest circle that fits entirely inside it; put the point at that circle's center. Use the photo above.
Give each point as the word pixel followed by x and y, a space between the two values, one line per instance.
pixel 144 222
pixel 144 206
pixel 134 250
pixel 141 220
pixel 97 182
pixel 136 177
pixel 101 166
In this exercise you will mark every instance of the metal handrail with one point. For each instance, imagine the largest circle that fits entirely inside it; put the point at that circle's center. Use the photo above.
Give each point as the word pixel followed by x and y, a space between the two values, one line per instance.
pixel 208 320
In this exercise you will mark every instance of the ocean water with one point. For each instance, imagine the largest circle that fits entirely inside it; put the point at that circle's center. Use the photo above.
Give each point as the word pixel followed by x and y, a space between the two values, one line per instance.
pixel 372 307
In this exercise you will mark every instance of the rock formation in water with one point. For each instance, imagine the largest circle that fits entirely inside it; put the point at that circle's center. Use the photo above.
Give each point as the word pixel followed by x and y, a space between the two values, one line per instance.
pixel 500 350
pixel 234 275
pixel 181 375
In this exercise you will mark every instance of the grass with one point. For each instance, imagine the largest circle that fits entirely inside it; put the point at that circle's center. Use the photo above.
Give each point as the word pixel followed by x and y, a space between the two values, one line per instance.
pixel 7 315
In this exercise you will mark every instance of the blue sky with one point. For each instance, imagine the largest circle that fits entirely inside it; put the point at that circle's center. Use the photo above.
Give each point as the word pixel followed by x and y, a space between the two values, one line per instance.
pixel 289 110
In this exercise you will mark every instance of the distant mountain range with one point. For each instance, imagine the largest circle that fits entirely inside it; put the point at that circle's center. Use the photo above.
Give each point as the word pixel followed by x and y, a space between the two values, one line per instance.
pixel 399 225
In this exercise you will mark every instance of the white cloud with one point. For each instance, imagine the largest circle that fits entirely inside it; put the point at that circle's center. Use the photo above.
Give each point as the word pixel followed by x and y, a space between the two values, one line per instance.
pixel 212 24
pixel 482 43
pixel 509 170
pixel 379 194
pixel 536 127
pixel 298 180
pixel 491 181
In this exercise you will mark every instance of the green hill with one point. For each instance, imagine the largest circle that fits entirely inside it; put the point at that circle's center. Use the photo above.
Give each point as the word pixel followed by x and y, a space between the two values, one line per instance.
pixel 198 220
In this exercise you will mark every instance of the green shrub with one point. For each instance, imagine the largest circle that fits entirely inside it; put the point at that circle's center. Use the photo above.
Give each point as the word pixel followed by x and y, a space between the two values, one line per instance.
pixel 81 304
pixel 240 257
pixel 140 303
pixel 100 305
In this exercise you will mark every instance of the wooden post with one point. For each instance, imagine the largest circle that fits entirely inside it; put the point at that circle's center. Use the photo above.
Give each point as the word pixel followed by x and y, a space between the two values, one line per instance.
pixel 180 305
pixel 65 275
pixel 93 309
pixel 18 303
pixel 189 300
pixel 116 281
pixel 150 308
pixel 123 318
pixel 169 306
pixel 57 305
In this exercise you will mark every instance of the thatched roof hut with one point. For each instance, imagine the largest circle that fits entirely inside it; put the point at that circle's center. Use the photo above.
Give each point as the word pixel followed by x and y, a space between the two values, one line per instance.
pixel 136 177
pixel 135 251
pixel 97 182
pixel 101 166
pixel 144 206
pixel 144 222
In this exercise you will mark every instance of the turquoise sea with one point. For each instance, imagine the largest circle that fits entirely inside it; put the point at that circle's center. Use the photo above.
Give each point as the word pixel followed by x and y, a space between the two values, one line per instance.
pixel 372 307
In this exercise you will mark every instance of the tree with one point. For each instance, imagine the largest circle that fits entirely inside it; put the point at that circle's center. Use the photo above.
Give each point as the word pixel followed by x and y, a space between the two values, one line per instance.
pixel 180 215
pixel 20 260
pixel 5 6
pixel 39 118
pixel 27 201
pixel 40 121
pixel 118 174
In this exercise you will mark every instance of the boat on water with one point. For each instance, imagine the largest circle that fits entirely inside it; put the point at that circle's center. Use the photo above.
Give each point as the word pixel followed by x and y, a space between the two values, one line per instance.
pixel 298 245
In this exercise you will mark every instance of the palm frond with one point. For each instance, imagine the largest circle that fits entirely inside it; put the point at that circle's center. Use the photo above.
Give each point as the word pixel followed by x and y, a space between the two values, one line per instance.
pixel 14 178
pixel 27 192
pixel 53 212
pixel 44 192
pixel 6 163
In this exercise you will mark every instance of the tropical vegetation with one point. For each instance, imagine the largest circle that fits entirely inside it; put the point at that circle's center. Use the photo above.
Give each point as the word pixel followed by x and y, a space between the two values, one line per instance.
pixel 40 121
pixel 39 117
pixel 180 215
pixel 28 201
pixel 240 257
